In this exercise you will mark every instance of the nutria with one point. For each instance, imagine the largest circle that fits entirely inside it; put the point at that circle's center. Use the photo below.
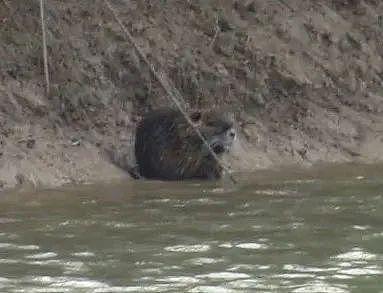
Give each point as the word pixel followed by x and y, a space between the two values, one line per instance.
pixel 168 148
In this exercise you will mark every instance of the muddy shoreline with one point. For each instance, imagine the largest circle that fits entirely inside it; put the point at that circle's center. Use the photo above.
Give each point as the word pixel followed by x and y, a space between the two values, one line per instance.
pixel 304 80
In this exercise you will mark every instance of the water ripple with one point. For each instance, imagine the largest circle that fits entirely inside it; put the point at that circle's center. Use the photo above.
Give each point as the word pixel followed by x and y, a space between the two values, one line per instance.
pixel 18 247
pixel 182 280
pixel 203 261
pixel 212 289
pixel 84 254
pixel 224 275
pixel 306 269
pixel 356 254
pixel 252 245
pixel 362 271
pixel 188 248
pixel 318 286
pixel 44 255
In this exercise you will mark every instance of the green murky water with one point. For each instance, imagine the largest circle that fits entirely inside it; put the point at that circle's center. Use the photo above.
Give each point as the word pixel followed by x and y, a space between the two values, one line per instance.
pixel 317 232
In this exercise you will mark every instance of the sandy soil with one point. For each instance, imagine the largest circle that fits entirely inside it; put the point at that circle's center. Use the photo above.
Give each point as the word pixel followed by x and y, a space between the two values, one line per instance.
pixel 304 79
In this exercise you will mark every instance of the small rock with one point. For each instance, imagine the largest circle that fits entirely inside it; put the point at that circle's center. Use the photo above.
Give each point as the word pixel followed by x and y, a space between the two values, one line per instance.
pixel 225 45
pixel 224 24
pixel 31 143
pixel 75 142
pixel 349 42
pixel 251 7
pixel 222 70
pixel 302 153
pixel 20 179
pixel 195 7
pixel 259 100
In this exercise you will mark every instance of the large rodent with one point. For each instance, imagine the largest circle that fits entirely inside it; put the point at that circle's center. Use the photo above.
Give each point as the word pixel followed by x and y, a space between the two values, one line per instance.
pixel 168 148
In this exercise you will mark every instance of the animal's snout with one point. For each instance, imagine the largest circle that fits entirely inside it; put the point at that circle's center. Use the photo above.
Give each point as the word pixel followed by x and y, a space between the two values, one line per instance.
pixel 218 148
pixel 232 133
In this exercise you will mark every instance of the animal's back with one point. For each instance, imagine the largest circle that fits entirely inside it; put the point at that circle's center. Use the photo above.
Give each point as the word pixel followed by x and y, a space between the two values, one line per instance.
pixel 154 135
pixel 168 148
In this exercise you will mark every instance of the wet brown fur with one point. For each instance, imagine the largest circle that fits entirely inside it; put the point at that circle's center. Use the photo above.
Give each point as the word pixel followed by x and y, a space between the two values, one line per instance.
pixel 168 148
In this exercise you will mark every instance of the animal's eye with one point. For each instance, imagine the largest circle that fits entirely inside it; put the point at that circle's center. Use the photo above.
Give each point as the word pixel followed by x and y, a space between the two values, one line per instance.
pixel 195 117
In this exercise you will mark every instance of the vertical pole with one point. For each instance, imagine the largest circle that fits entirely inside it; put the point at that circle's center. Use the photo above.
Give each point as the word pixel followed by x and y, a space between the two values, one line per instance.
pixel 45 52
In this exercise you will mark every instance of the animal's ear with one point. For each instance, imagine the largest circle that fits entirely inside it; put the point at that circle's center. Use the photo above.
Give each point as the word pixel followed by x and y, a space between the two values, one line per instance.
pixel 195 116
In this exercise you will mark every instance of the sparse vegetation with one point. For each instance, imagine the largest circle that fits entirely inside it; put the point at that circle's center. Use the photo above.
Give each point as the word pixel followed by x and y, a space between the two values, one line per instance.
pixel 282 69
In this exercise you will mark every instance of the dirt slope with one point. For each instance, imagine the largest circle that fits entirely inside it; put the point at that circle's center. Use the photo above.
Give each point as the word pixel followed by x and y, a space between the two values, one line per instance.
pixel 304 78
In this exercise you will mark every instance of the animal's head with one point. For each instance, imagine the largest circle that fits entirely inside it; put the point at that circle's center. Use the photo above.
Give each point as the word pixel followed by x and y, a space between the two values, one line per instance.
pixel 217 128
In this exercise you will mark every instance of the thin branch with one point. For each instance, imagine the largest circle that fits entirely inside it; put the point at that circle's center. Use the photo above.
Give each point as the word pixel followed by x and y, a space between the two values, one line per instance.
pixel 171 91
pixel 45 51
pixel 215 33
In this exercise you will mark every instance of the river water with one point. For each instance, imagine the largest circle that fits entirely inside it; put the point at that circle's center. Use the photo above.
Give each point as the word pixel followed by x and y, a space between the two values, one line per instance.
pixel 317 231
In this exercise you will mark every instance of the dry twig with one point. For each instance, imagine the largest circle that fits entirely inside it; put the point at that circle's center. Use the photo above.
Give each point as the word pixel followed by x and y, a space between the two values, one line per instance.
pixel 45 51
pixel 172 92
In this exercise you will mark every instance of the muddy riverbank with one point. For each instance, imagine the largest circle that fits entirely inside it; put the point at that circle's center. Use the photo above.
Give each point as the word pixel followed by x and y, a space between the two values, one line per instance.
pixel 304 79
